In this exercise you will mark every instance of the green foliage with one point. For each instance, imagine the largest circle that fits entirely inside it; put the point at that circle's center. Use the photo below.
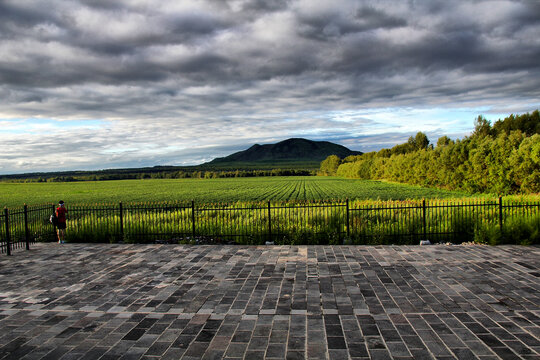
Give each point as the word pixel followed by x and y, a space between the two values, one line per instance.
pixel 487 234
pixel 503 159
pixel 525 164
pixel 420 141
pixel 482 127
pixel 330 165
pixel 223 170
pixel 444 141
pixel 521 230
pixel 529 124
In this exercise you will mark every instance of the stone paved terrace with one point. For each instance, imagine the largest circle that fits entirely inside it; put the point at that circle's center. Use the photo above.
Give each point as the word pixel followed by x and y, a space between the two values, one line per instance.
pixel 82 301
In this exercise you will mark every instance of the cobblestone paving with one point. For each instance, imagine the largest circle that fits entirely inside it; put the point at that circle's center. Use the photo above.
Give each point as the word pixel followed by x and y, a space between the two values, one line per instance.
pixel 80 301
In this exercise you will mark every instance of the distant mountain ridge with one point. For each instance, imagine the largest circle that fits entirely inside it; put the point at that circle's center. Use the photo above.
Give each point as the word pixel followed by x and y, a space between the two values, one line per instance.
pixel 295 149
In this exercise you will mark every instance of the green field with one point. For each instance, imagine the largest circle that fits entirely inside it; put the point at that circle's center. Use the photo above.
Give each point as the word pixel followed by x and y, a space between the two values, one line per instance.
pixel 213 190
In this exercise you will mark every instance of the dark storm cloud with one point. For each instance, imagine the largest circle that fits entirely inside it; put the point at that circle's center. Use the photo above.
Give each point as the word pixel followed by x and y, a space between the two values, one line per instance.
pixel 19 16
pixel 265 5
pixel 328 26
pixel 111 44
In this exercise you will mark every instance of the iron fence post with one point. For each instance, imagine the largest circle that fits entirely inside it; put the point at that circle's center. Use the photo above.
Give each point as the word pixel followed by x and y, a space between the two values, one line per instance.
pixel 348 229
pixel 424 218
pixel 500 215
pixel 8 245
pixel 26 232
pixel 193 218
pixel 121 209
pixel 54 226
pixel 269 223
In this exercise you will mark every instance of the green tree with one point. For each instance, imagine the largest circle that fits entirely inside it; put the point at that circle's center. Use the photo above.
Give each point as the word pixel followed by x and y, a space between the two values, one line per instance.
pixel 527 123
pixel 482 127
pixel 384 153
pixel 526 164
pixel 420 141
pixel 444 141
pixel 330 165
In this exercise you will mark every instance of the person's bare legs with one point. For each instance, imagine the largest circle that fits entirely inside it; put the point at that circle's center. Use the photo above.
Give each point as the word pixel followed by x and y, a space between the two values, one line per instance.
pixel 61 234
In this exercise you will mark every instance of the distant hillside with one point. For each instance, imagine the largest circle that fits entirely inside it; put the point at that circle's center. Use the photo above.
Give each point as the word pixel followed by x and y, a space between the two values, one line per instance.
pixel 291 150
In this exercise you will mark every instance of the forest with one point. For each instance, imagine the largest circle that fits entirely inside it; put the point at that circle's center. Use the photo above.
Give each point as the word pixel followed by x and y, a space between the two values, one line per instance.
pixel 500 158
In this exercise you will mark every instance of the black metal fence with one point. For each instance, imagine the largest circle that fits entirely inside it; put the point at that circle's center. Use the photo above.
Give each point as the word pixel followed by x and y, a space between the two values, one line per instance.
pixel 23 226
pixel 320 222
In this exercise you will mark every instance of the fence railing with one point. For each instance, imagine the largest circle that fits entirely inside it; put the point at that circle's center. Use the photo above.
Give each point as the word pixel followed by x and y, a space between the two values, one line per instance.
pixel 320 222
pixel 23 226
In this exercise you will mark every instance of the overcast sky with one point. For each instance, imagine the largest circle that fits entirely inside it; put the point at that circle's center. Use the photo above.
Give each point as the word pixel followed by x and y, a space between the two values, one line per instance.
pixel 104 84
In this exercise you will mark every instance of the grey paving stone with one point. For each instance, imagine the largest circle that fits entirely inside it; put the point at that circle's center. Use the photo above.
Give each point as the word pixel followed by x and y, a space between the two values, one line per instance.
pixel 295 355
pixel 279 336
pixel 166 301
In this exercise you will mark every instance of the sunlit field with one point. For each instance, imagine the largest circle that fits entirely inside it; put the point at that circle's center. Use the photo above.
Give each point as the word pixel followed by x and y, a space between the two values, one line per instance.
pixel 214 190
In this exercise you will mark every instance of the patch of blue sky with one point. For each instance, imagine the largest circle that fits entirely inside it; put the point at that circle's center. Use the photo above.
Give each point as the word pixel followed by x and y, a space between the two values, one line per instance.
pixel 411 120
pixel 388 123
pixel 33 125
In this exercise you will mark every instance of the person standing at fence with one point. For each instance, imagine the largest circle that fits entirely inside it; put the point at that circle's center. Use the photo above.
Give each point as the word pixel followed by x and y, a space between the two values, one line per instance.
pixel 61 225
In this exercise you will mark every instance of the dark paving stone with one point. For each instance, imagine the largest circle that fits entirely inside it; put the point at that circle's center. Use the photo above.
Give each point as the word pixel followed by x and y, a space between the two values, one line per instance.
pixel 358 350
pixel 196 349
pixel 134 334
pixel 205 336
pixel 242 336
pixel 158 349
pixel 167 301
pixel 336 343
pixel 334 330
pixel 370 329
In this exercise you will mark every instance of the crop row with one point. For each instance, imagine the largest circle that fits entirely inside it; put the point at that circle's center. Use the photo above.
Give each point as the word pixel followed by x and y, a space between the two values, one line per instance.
pixel 212 190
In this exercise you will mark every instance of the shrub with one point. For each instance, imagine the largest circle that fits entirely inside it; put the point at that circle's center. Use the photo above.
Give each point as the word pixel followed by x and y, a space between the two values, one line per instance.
pixel 487 234
pixel 522 230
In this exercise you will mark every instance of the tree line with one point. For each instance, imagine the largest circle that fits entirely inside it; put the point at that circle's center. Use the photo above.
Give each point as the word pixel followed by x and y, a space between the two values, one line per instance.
pixel 180 174
pixel 502 158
